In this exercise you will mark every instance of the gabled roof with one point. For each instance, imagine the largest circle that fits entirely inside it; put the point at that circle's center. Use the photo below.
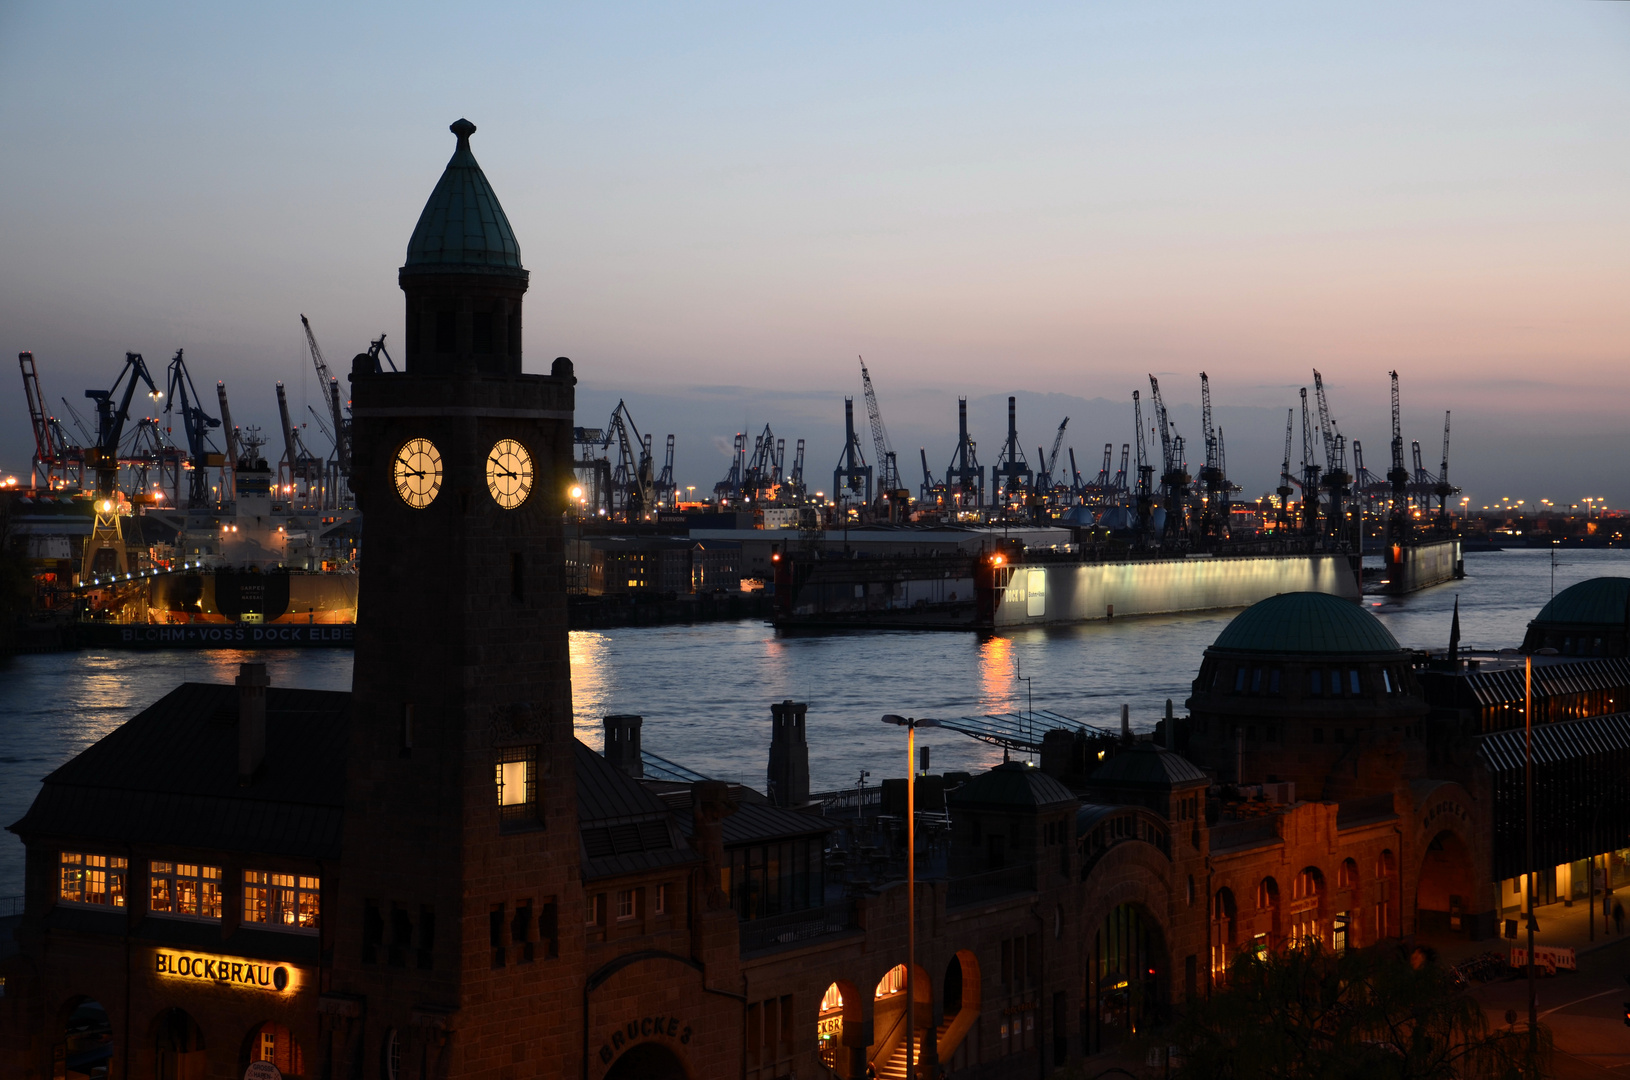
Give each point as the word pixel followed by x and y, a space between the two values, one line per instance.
pixel 1307 623
pixel 463 228
pixel 170 775
pixel 624 828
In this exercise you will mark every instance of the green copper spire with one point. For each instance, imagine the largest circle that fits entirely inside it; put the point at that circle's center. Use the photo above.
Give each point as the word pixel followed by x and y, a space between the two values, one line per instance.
pixel 462 228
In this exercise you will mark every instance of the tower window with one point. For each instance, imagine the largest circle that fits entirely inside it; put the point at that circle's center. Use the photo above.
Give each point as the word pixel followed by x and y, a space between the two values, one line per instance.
pixel 481 332
pixel 514 333
pixel 516 776
pixel 446 331
pixel 1315 686
pixel 1352 681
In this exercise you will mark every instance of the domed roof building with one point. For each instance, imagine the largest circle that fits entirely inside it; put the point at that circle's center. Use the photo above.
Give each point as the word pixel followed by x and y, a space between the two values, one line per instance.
pixel 1591 618
pixel 1306 688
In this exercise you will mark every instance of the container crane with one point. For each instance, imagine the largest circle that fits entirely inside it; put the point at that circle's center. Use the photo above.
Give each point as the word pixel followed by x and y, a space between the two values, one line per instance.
pixel 1045 482
pixel 195 425
pixel 1010 463
pixel 666 489
pixel 1213 477
pixel 632 476
pixel 1100 485
pixel 852 476
pixel 965 475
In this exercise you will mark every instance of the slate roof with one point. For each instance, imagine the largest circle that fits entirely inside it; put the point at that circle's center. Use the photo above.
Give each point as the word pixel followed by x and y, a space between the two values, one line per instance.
pixel 1011 786
pixel 1307 623
pixel 1555 743
pixel 1146 765
pixel 170 775
pixel 624 828
pixel 463 228
pixel 1603 601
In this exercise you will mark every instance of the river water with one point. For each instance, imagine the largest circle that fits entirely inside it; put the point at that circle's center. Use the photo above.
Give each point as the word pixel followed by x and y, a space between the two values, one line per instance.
pixel 705 691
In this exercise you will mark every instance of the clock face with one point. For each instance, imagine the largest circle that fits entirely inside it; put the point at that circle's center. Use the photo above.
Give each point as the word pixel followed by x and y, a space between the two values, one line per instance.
pixel 509 473
pixel 418 472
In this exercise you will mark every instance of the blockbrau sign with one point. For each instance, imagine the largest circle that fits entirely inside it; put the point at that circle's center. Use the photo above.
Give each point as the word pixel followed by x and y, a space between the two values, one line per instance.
pixel 228 970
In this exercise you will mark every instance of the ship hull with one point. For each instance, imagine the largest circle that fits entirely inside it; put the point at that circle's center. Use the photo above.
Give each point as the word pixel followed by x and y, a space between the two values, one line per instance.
pixel 1419 566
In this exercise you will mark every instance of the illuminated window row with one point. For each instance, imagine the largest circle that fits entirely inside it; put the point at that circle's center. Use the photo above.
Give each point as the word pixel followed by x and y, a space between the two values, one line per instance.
pixel 192 890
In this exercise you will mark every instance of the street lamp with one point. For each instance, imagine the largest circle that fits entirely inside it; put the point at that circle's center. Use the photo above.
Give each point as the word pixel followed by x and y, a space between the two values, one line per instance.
pixel 911 724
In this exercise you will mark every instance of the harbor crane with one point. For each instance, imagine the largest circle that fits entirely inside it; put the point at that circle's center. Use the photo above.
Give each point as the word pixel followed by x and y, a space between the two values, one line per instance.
pixel 1336 477
pixel 1010 464
pixel 632 478
pixel 852 476
pixel 1078 487
pixel 1213 477
pixel 1175 479
pixel 103 458
pixel 1145 482
pixel 1310 474
pixel 330 387
pixel 965 477
pixel 728 490
pixel 1398 476
pixel 927 491
pixel 234 447
pixel 1285 488
pixel 195 426
pixel 667 491
pixel 888 474
pixel 1443 489
pixel 1119 483
pixel 1049 462
pixel 54 453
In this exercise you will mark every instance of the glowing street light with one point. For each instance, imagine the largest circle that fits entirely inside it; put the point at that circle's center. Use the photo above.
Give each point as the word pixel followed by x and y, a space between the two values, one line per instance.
pixel 911 724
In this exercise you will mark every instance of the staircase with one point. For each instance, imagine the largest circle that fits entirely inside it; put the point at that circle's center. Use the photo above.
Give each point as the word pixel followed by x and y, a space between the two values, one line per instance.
pixel 895 1067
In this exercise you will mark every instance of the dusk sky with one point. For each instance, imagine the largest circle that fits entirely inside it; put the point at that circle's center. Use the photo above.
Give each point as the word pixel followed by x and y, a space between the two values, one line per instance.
pixel 722 206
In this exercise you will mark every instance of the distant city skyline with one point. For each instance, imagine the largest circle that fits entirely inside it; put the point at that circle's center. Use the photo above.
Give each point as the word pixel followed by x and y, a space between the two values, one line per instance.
pixel 1046 201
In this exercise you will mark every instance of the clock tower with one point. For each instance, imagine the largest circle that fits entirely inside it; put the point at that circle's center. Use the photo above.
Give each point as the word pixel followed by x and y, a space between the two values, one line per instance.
pixel 461 843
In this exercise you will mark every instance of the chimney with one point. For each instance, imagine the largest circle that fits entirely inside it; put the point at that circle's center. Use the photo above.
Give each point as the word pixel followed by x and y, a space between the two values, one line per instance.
pixel 1171 727
pixel 252 684
pixel 623 744
pixel 789 755
pixel 1126 723
pixel 710 805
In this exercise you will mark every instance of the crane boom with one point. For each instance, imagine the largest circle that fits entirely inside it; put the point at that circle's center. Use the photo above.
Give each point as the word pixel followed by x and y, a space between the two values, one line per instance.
pixel 1327 428
pixel 1058 441
pixel 880 435
pixel 45 450
pixel 330 385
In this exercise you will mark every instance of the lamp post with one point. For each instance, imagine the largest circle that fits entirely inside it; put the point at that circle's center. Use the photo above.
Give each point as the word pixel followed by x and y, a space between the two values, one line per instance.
pixel 1528 817
pixel 911 724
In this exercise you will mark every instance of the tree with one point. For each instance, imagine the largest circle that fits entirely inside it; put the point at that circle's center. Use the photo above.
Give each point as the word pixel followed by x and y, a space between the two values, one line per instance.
pixel 1383 1013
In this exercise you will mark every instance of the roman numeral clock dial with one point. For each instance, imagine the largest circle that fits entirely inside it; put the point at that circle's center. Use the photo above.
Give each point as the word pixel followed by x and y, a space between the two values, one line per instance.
pixel 417 471
pixel 509 473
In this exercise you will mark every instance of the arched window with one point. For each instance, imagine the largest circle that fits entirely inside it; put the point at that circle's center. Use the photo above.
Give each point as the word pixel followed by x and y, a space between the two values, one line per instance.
pixel 1223 933
pixel 1385 865
pixel 829 1026
pixel 1267 894
pixel 1347 876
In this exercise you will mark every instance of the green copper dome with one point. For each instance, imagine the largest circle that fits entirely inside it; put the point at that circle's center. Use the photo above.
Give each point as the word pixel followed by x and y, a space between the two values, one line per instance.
pixel 1307 623
pixel 1603 601
pixel 462 228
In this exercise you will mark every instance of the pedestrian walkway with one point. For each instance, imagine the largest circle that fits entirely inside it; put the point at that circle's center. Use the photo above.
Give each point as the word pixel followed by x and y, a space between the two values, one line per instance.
pixel 1560 926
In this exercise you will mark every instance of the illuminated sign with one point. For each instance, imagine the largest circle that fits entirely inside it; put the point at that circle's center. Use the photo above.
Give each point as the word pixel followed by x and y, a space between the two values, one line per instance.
pixel 226 970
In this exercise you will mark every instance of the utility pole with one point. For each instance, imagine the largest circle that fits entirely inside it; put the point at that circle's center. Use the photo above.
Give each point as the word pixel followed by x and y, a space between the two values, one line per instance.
pixel 1528 815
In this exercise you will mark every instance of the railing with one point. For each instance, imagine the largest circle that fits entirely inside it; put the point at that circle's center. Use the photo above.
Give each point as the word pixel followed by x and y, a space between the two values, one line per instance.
pixel 10 905
pixel 758 935
pixel 992 885
pixel 11 910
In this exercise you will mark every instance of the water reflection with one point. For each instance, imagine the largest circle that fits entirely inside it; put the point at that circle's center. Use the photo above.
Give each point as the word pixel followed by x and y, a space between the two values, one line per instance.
pixel 705 691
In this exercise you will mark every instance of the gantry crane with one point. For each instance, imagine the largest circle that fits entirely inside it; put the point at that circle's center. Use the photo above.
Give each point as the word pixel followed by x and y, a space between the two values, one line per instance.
pixel 331 392
pixel 1145 481
pixel 1174 479
pixel 1214 476
pixel 852 476
pixel 1336 477
pixel 1010 463
pixel 965 476
pixel 1443 489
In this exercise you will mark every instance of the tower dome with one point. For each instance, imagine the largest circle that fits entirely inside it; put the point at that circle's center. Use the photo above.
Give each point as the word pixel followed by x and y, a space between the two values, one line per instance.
pixel 462 226
pixel 1304 624
pixel 1591 618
